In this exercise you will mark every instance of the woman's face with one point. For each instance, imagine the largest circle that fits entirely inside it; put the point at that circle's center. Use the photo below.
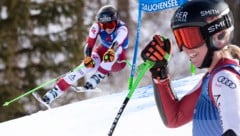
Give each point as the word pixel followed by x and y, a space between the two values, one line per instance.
pixel 109 31
pixel 109 27
pixel 196 55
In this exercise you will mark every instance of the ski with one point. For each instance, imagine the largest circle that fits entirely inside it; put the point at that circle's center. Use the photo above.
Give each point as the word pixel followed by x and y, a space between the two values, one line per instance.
pixel 81 89
pixel 39 99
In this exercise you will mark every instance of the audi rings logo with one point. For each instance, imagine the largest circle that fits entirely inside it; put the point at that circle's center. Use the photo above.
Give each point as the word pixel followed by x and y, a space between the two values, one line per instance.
pixel 227 82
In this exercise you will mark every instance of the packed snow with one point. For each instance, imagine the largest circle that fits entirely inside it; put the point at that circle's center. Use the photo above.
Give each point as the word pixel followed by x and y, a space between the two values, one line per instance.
pixel 94 117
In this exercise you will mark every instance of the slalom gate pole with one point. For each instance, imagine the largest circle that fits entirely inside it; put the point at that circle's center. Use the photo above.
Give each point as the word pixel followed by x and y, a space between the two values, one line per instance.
pixel 130 82
pixel 38 87
pixel 142 70
pixel 142 6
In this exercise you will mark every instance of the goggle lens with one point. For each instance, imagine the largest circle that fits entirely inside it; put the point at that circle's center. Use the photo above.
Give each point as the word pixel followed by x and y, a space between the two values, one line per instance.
pixel 189 37
pixel 109 25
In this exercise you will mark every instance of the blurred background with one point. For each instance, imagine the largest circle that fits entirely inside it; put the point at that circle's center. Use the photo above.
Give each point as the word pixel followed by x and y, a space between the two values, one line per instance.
pixel 43 39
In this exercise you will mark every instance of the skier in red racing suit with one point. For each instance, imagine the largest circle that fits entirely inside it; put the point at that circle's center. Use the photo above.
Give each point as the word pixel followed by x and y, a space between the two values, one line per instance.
pixel 203 30
pixel 108 56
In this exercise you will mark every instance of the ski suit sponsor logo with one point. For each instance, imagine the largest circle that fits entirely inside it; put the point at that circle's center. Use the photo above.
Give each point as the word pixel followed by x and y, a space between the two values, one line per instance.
pixel 71 77
pixel 109 38
pixel 216 97
pixel 94 30
pixel 227 82
pixel 81 72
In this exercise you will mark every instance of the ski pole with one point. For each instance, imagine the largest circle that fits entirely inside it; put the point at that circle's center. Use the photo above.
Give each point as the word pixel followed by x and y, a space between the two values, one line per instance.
pixel 193 69
pixel 125 61
pixel 143 68
pixel 38 87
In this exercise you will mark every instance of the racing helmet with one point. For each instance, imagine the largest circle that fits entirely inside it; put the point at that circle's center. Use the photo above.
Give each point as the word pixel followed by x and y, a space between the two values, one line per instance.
pixel 199 21
pixel 108 16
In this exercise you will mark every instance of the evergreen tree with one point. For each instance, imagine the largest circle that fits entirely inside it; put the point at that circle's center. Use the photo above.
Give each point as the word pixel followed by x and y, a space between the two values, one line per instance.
pixel 38 41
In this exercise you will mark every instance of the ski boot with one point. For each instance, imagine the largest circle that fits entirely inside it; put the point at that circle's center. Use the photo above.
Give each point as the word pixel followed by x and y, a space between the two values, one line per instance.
pixel 94 80
pixel 52 95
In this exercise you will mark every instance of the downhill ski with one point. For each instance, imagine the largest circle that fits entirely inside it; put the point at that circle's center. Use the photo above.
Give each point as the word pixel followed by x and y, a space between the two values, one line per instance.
pixel 81 89
pixel 39 99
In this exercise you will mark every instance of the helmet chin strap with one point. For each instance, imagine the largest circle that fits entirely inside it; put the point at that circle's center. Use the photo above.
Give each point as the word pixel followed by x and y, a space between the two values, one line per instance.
pixel 207 61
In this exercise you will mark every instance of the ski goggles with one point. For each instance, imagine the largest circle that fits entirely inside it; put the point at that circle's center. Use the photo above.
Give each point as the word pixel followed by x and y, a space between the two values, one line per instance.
pixel 109 25
pixel 189 37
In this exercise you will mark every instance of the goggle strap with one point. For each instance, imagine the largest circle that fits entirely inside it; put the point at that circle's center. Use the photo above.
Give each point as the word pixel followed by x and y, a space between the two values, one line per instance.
pixel 216 26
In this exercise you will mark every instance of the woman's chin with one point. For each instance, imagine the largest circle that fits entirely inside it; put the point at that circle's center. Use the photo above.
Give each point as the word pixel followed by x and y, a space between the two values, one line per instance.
pixel 196 64
pixel 109 30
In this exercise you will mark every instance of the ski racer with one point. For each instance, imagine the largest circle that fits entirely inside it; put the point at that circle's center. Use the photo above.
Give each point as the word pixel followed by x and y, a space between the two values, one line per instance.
pixel 107 57
pixel 203 31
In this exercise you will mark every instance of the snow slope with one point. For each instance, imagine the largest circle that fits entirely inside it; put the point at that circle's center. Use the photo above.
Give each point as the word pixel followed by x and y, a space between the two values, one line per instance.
pixel 94 117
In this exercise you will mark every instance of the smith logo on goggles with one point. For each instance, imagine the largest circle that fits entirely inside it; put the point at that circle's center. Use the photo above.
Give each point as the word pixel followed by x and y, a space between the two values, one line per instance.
pixel 217 25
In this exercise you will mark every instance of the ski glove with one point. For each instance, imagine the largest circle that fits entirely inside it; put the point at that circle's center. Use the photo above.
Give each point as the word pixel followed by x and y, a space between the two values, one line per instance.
pixel 88 62
pixel 158 50
pixel 109 55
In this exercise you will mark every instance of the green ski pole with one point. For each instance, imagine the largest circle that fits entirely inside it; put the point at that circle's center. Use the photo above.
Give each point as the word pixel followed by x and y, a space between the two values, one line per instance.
pixel 38 87
pixel 193 69
pixel 142 70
